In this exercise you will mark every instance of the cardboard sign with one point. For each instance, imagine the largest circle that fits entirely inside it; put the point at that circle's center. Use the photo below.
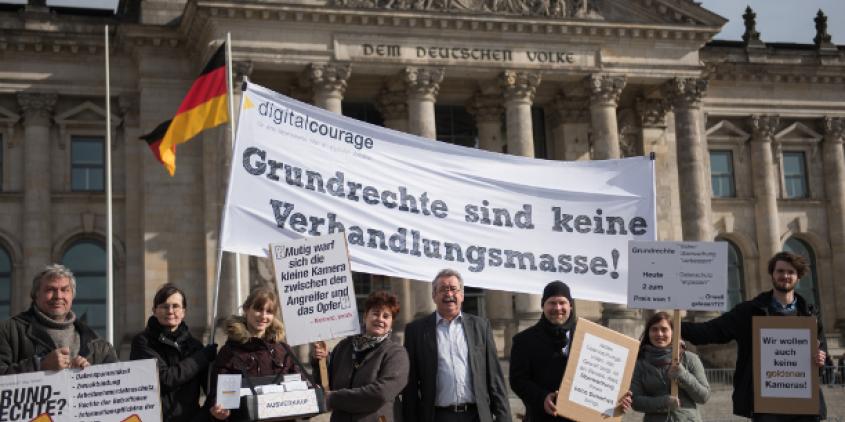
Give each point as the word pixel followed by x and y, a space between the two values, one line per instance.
pixel 601 363
pixel 678 275
pixel 315 288
pixel 786 379
pixel 108 392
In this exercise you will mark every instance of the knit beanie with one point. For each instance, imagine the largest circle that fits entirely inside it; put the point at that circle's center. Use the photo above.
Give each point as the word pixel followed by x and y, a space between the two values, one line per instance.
pixel 556 288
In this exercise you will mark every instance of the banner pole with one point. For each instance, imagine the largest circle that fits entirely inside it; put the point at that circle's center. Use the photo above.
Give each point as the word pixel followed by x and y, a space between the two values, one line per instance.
pixel 230 89
pixel 109 236
pixel 676 347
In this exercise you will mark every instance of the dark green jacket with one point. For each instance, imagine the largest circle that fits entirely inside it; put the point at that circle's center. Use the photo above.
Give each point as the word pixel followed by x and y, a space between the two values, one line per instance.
pixel 23 345
pixel 651 387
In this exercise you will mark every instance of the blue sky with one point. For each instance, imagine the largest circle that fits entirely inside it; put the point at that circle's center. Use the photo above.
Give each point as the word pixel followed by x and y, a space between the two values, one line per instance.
pixel 777 20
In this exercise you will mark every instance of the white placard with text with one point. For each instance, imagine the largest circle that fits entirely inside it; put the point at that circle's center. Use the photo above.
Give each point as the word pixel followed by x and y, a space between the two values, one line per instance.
pixel 315 288
pixel 678 275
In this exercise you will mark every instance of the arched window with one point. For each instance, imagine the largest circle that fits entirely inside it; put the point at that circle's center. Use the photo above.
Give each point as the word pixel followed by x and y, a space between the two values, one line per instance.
pixel 808 286
pixel 736 282
pixel 87 259
pixel 5 284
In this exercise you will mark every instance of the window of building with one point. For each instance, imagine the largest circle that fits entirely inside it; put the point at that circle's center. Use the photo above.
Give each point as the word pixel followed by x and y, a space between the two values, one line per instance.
pixel 87 163
pixel 794 174
pixel 722 174
pixel 538 125
pixel 5 284
pixel 808 286
pixel 736 284
pixel 364 112
pixel 455 125
pixel 87 259
pixel 364 285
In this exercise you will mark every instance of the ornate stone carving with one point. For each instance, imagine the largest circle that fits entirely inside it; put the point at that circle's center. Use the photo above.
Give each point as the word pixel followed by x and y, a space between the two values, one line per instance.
pixel 751 36
pixel 422 81
pixel 582 9
pixel 822 38
pixel 605 89
pixel 37 107
pixel 127 103
pixel 834 128
pixel 519 86
pixel 392 104
pixel 571 109
pixel 652 112
pixel 763 127
pixel 326 77
pixel 486 107
pixel 685 92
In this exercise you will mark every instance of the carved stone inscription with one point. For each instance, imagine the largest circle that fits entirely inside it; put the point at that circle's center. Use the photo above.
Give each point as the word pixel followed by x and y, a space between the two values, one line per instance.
pixel 429 53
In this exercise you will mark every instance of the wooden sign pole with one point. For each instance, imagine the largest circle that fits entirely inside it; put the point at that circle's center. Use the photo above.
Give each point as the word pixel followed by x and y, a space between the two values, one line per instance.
pixel 324 374
pixel 676 347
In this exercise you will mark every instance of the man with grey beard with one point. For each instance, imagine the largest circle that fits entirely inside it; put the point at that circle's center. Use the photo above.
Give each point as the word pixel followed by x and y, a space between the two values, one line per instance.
pixel 48 336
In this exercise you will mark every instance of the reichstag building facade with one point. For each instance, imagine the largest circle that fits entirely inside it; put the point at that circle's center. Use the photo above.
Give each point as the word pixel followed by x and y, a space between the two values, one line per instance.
pixel 747 135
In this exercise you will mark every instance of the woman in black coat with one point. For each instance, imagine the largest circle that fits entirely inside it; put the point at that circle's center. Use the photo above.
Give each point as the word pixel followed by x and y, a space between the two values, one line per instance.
pixel 182 360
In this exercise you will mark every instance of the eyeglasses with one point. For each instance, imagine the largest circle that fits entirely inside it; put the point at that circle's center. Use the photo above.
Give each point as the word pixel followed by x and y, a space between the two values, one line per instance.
pixel 447 289
pixel 167 307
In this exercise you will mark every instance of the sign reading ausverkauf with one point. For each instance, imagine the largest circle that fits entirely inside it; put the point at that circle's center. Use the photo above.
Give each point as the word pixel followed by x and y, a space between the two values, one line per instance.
pixel 678 275
pixel 410 206
pixel 316 289
pixel 108 392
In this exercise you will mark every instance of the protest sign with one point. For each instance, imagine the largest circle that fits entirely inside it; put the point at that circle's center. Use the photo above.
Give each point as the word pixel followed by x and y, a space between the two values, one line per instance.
pixel 315 284
pixel 786 379
pixel 678 275
pixel 601 363
pixel 410 205
pixel 109 392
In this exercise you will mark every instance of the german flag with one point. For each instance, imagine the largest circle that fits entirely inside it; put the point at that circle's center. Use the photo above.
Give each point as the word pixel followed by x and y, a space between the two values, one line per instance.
pixel 204 107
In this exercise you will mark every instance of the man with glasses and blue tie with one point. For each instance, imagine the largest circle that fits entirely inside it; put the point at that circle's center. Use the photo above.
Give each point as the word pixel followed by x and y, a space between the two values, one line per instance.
pixel 454 371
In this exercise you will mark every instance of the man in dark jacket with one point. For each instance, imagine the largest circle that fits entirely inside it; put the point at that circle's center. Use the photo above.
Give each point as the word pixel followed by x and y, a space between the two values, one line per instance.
pixel 540 353
pixel 785 269
pixel 454 373
pixel 48 336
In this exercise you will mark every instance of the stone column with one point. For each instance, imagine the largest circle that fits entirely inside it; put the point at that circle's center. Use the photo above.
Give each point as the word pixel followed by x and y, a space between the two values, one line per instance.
pixel 487 109
pixel 652 115
pixel 37 111
pixel 421 87
pixel 604 96
pixel 685 96
pixel 834 177
pixel 393 106
pixel 764 175
pixel 571 128
pixel 328 81
pixel 519 89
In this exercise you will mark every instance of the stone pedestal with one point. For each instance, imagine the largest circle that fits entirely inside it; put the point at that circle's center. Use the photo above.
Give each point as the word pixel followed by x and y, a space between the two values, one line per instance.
pixel 764 175
pixel 37 113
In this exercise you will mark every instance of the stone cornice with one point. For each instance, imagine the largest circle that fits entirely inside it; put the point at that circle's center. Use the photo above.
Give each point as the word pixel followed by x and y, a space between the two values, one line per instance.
pixel 778 74
pixel 198 12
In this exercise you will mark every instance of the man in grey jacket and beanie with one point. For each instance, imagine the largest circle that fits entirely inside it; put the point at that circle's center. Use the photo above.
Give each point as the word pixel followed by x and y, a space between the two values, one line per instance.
pixel 48 336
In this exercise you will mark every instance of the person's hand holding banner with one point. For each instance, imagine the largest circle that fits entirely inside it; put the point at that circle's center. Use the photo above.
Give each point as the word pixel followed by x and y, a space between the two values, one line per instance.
pixel 56 360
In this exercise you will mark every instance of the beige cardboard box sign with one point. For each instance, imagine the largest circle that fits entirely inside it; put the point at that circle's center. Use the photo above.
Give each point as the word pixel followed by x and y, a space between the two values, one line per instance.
pixel 601 363
pixel 786 379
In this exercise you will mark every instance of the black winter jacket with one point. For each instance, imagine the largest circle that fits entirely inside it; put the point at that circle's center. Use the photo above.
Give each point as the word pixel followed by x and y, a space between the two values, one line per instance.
pixel 736 325
pixel 537 365
pixel 182 367
pixel 23 345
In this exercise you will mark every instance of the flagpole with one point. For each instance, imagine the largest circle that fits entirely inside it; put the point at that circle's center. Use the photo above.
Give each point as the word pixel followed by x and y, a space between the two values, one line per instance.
pixel 229 87
pixel 109 236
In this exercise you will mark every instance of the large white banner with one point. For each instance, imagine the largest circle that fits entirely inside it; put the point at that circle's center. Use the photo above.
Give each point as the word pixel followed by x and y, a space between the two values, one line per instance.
pixel 411 206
